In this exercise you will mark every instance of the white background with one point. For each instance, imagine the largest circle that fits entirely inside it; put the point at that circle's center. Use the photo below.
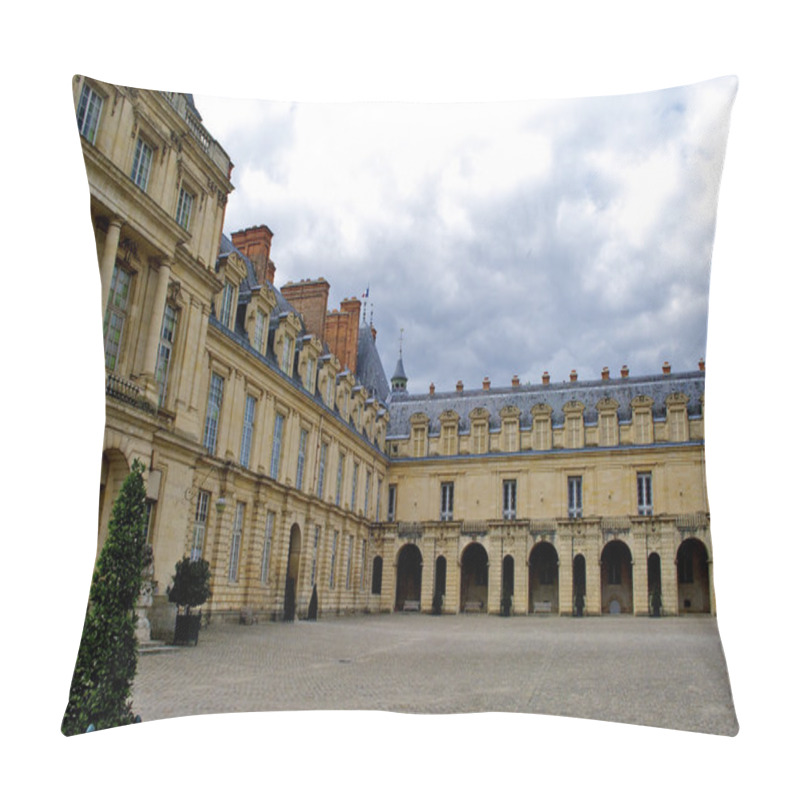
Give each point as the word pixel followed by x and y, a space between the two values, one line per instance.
pixel 53 384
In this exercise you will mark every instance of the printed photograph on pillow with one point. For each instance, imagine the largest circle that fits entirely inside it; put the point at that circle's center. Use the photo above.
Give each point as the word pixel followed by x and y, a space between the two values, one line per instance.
pixel 404 407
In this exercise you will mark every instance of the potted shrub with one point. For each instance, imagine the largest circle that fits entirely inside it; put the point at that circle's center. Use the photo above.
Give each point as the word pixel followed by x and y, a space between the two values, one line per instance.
pixel 191 587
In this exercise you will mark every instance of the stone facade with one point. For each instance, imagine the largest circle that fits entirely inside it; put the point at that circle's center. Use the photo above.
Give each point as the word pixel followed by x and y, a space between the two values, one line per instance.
pixel 276 450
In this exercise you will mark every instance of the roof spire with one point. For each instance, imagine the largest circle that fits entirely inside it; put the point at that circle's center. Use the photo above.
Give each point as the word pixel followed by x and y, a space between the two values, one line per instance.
pixel 399 379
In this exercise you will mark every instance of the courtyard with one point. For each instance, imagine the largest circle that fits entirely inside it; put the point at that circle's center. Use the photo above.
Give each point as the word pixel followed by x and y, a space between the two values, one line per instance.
pixel 667 672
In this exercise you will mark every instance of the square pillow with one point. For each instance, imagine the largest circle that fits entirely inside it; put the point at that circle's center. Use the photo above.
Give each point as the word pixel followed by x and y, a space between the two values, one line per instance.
pixel 392 389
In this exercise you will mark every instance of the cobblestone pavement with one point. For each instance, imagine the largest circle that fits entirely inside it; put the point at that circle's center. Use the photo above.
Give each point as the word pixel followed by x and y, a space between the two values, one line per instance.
pixel 667 672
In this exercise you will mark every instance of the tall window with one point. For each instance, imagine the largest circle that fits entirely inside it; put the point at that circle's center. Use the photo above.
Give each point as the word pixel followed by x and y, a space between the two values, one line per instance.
pixel 199 529
pixel 480 437
pixel 226 304
pixel 541 433
pixel 213 410
pixel 258 331
pixel 267 546
pixel 183 215
pixel 509 499
pixel 510 436
pixel 247 430
pixel 574 426
pixel 332 578
pixel 286 363
pixel 367 488
pixel 418 442
pixel 277 437
pixel 355 488
pixel 301 458
pixel 448 440
pixel 644 487
pixel 447 502
pixel 575 497
pixel 378 504
pixel 165 351
pixel 339 477
pixel 89 107
pixel 310 374
pixel 323 462
pixel 142 160
pixel 116 315
pixel 349 562
pixel 236 542
pixel 363 563
pixel 392 510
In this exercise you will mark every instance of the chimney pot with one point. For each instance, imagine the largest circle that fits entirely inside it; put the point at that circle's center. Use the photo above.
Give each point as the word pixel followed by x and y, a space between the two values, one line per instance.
pixel 460 387
pixel 545 378
pixel 624 372
pixel 573 376
pixel 486 383
pixel 701 365
pixel 433 388
pixel 605 373
pixel 665 368
pixel 515 380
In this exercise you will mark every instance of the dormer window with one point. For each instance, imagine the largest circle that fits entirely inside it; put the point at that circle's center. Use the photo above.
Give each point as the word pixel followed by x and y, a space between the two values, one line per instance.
pixel 258 331
pixel 226 304
pixel 286 358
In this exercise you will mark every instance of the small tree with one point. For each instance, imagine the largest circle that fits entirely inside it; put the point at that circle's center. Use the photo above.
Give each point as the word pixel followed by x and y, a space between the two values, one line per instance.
pixel 191 583
pixel 106 664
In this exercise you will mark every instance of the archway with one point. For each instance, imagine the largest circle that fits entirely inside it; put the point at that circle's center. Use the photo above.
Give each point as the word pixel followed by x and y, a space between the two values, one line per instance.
pixel 507 587
pixel 377 575
pixel 616 576
pixel 655 597
pixel 292 574
pixel 579 585
pixel 409 576
pixel 474 578
pixel 543 579
pixel 694 595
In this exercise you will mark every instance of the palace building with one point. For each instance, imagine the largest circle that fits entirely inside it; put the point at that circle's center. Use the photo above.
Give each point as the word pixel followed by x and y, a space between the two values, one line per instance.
pixel 276 448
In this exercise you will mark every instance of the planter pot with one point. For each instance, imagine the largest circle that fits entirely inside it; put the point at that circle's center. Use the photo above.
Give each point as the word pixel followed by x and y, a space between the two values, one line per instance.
pixel 187 628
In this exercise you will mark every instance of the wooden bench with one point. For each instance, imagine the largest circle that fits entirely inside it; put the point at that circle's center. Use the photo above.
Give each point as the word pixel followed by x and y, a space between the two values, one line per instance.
pixel 543 607
pixel 411 605
pixel 472 606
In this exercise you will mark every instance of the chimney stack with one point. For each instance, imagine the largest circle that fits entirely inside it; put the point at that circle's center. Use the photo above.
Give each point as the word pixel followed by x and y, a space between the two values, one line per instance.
pixel 515 380
pixel 605 373
pixel 486 383
pixel 624 372
pixel 545 378
pixel 701 365
pixel 432 389
pixel 310 299
pixel 460 387
pixel 573 376
pixel 665 368
pixel 256 243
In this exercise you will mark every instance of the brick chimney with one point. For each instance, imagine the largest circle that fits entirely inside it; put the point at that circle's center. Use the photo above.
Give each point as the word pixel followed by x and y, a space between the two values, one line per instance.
pixel 573 376
pixel 341 332
pixel 256 243
pixel 624 372
pixel 432 389
pixel 486 384
pixel 545 378
pixel 605 373
pixel 310 298
pixel 701 365
pixel 460 387
pixel 665 368
pixel 515 380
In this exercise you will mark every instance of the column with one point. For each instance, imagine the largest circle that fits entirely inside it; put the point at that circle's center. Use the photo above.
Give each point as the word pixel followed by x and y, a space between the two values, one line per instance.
pixel 107 260
pixel 154 333
pixel 641 601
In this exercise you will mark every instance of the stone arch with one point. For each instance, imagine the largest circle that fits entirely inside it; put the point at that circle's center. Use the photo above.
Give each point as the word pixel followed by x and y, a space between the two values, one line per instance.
pixel 616 578
pixel 377 575
pixel 694 590
pixel 474 578
pixel 409 576
pixel 543 579
pixel 292 573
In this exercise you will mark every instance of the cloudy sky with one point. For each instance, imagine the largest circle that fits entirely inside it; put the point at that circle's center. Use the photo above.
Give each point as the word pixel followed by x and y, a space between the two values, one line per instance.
pixel 503 238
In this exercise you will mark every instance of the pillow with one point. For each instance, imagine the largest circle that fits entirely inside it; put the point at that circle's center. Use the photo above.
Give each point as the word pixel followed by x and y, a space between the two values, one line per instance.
pixel 498 503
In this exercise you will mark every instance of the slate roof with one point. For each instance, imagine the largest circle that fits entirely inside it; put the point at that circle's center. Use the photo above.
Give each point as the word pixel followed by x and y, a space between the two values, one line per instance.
pixel 556 395
pixel 369 369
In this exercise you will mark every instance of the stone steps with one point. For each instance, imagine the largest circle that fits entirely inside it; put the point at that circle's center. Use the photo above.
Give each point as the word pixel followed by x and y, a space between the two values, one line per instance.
pixel 155 646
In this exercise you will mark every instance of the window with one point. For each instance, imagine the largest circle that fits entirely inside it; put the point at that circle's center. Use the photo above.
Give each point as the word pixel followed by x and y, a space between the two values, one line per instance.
pixel 575 497
pixel 323 461
pixel 183 215
pixel 310 374
pixel 332 579
pixel 608 430
pixel 258 331
pixel 480 437
pixel 236 542
pixel 541 433
pixel 418 442
pixel 447 502
pixel 89 107
pixel 377 575
pixel 301 458
pixel 510 444
pixel 574 426
pixel 509 499
pixel 267 546
pixel 392 510
pixel 142 159
pixel 378 506
pixel 448 440
pixel 314 556
pixel 212 413
pixel 226 304
pixel 363 563
pixel 367 488
pixel 339 476
pixel 116 315
pixel 644 487
pixel 165 351
pixel 286 363
pixel 247 430
pixel 199 530
pixel 277 436
pixel 355 488
pixel 349 562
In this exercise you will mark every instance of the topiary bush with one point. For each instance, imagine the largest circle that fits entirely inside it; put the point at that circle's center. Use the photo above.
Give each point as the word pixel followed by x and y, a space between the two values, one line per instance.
pixel 106 665
pixel 191 583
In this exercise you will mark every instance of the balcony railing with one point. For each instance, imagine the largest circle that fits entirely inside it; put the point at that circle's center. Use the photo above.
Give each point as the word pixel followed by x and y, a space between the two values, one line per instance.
pixel 126 392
